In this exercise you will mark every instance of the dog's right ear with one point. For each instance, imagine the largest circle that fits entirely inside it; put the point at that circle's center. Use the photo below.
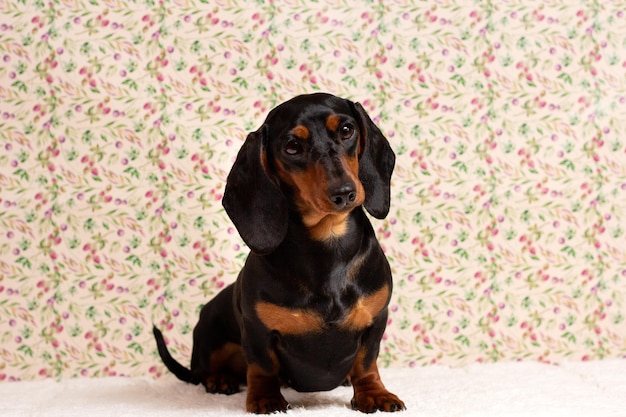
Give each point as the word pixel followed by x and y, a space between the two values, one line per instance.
pixel 252 200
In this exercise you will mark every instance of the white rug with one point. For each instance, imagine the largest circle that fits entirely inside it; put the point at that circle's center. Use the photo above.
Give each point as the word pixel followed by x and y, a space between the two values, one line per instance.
pixel 593 389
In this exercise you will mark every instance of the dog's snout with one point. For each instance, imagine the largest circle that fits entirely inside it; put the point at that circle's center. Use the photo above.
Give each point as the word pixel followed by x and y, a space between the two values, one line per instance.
pixel 343 195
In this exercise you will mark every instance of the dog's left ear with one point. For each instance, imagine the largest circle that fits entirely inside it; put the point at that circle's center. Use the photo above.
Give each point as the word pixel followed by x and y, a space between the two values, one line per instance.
pixel 376 162
pixel 252 200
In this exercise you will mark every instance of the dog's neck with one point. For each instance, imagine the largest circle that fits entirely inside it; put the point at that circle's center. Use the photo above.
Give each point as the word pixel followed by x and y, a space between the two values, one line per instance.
pixel 324 227
pixel 325 265
pixel 329 231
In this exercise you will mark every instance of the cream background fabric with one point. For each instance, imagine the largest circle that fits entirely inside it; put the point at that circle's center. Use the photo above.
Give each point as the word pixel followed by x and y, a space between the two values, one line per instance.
pixel 119 121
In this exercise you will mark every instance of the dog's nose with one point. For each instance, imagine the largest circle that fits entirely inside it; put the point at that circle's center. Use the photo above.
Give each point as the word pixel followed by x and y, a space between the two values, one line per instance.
pixel 343 195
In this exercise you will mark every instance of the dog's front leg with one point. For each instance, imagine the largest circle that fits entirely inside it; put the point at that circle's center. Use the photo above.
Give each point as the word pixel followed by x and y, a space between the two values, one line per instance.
pixel 370 394
pixel 264 395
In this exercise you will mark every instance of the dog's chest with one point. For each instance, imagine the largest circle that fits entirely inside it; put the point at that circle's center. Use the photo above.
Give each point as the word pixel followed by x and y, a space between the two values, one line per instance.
pixel 323 314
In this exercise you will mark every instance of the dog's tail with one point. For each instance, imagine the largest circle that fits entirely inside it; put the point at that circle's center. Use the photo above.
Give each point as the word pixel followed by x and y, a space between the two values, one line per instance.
pixel 176 368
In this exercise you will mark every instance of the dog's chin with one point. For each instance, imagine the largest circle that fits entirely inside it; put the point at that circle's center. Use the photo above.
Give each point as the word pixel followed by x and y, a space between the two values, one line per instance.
pixel 326 224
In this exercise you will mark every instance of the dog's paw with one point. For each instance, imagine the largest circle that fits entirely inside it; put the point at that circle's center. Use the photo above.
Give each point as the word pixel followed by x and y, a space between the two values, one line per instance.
pixel 267 405
pixel 222 384
pixel 370 402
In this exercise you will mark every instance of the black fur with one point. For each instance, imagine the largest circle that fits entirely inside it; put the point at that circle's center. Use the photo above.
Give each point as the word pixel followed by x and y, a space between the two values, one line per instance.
pixel 306 310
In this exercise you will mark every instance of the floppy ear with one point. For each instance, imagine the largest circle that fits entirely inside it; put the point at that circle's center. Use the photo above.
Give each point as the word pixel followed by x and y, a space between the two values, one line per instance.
pixel 252 200
pixel 376 164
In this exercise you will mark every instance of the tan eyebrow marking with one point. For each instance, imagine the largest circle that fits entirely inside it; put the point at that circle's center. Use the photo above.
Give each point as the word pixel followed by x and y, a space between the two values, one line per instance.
pixel 332 122
pixel 301 132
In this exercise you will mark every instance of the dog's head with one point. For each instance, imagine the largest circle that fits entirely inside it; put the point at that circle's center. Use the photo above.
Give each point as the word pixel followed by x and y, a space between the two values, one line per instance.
pixel 317 154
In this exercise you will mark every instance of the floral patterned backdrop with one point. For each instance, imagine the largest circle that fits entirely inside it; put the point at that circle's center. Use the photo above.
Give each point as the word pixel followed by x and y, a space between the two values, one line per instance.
pixel 119 121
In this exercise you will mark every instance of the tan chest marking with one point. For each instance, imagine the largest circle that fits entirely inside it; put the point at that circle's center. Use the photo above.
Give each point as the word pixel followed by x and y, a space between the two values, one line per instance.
pixel 366 309
pixel 289 321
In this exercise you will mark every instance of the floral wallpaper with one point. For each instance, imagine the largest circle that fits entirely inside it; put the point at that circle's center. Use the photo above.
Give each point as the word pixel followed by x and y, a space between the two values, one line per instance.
pixel 119 121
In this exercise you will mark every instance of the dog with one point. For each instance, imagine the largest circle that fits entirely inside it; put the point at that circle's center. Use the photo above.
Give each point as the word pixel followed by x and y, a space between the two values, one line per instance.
pixel 309 307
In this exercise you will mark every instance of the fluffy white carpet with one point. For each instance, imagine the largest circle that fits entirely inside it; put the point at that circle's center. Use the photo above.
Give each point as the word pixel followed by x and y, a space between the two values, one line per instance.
pixel 593 389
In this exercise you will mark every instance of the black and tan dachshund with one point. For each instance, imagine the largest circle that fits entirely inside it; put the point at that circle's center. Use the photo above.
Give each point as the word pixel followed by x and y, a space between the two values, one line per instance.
pixel 309 307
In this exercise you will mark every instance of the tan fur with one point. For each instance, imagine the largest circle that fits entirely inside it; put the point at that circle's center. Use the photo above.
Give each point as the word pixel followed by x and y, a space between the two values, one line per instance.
pixel 318 212
pixel 301 132
pixel 289 321
pixel 362 314
pixel 332 122
pixel 229 357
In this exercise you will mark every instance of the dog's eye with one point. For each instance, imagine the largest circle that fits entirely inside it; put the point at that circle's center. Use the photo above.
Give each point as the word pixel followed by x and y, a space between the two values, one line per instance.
pixel 346 131
pixel 293 148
